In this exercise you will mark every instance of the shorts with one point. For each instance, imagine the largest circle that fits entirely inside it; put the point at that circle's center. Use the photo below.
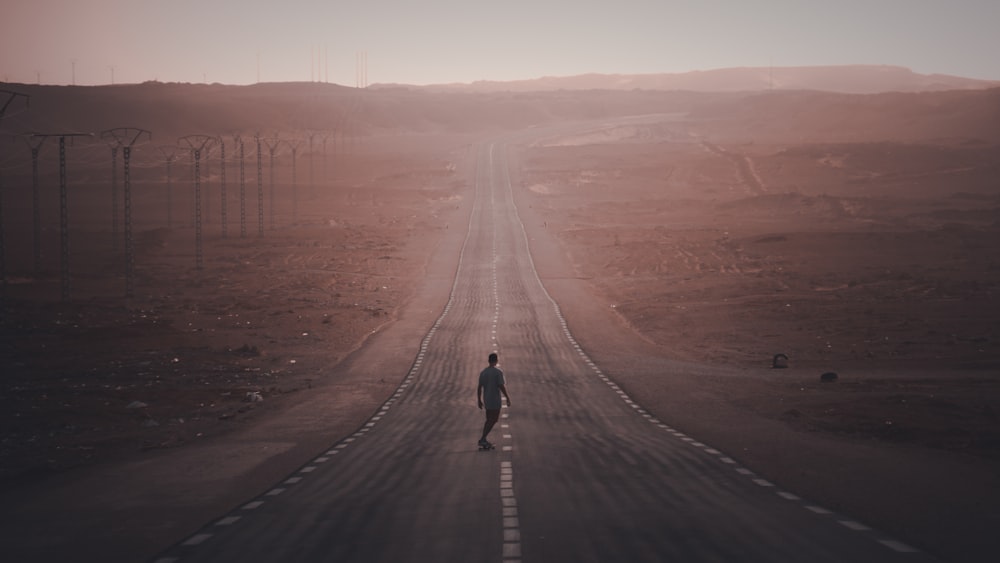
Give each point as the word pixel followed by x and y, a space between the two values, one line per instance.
pixel 492 415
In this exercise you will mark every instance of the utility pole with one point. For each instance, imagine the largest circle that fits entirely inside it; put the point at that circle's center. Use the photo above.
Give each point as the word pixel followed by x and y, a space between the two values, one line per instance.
pixel 197 144
pixel 295 196
pixel 324 136
pixel 115 144
pixel 272 144
pixel 8 98
pixel 260 188
pixel 169 153
pixel 127 137
pixel 222 184
pixel 35 144
pixel 243 193
pixel 312 178
pixel 207 184
pixel 312 157
pixel 63 209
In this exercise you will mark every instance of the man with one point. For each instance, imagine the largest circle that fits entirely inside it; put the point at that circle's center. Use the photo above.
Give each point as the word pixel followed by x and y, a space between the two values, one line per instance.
pixel 491 384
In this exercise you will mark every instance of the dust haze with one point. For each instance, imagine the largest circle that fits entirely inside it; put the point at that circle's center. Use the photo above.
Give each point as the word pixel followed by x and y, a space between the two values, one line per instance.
pixel 855 232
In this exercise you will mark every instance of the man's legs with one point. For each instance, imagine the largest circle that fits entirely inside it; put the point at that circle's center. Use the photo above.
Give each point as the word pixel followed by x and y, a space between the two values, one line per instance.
pixel 492 416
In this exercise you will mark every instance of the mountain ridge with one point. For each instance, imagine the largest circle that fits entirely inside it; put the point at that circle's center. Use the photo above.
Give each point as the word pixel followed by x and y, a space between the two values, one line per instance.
pixel 843 79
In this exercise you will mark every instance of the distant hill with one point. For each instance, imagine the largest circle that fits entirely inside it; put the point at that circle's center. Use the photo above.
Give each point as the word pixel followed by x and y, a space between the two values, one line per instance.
pixel 297 110
pixel 850 79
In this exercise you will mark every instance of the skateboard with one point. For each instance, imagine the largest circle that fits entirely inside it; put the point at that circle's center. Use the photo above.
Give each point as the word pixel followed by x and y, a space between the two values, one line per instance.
pixel 486 446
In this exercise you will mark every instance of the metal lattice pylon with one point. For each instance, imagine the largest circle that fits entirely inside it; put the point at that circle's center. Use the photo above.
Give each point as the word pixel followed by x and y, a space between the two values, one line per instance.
pixel 64 258
pixel 126 137
pixel 10 97
pixel 197 144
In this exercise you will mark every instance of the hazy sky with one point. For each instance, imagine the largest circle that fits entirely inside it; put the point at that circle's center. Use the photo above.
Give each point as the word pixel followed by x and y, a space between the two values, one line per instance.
pixel 440 41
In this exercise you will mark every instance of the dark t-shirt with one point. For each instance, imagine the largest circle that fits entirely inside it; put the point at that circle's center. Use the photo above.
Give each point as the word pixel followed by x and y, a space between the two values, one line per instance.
pixel 490 379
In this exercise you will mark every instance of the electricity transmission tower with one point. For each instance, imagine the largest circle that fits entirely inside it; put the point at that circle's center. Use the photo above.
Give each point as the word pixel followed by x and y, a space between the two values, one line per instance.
pixel 238 141
pixel 323 136
pixel 10 97
pixel 312 177
pixel 327 135
pixel 260 188
pixel 115 144
pixel 272 144
pixel 222 185
pixel 295 196
pixel 126 137
pixel 169 153
pixel 63 209
pixel 35 144
pixel 197 144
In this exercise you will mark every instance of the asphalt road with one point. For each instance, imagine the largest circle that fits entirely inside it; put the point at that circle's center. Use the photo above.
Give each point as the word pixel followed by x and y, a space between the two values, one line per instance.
pixel 580 473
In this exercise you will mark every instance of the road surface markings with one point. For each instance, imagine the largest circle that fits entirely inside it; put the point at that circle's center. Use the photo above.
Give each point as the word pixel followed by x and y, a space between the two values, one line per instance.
pixel 228 521
pixel 197 539
pixel 898 546
pixel 892 544
pixel 511 523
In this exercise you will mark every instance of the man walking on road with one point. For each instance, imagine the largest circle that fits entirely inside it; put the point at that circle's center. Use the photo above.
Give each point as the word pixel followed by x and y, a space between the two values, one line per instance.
pixel 491 384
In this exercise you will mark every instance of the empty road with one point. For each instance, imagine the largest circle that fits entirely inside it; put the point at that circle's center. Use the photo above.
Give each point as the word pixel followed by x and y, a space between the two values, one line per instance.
pixel 580 473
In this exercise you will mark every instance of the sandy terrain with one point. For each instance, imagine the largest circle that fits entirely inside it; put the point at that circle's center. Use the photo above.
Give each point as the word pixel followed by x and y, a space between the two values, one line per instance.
pixel 871 260
pixel 712 243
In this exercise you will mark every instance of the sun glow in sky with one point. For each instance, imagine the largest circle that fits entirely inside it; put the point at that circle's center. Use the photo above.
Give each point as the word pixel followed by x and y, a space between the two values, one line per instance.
pixel 91 42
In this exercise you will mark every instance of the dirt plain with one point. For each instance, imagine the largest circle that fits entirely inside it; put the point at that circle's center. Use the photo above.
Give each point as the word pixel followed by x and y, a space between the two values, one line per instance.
pixel 717 237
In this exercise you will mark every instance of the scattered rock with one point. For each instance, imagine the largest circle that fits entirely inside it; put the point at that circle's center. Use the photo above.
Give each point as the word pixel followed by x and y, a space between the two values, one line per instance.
pixel 247 351
pixel 136 405
pixel 828 377
pixel 780 361
pixel 253 397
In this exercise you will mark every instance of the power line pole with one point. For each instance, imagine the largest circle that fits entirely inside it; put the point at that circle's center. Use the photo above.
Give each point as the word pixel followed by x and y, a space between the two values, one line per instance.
pixel 169 153
pixel 207 185
pixel 63 209
pixel 295 196
pixel 115 144
pixel 324 135
pixel 260 187
pixel 127 137
pixel 238 140
pixel 312 154
pixel 272 144
pixel 35 144
pixel 243 194
pixel 222 184
pixel 197 144
pixel 10 97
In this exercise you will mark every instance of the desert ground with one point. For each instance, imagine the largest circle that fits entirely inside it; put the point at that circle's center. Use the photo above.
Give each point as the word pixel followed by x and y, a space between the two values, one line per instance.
pixel 717 234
